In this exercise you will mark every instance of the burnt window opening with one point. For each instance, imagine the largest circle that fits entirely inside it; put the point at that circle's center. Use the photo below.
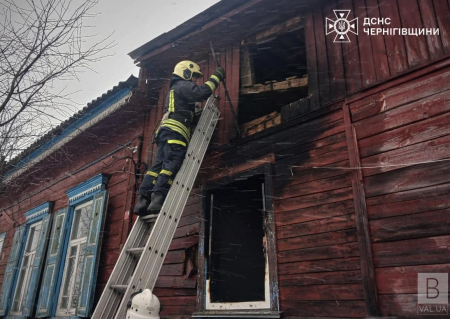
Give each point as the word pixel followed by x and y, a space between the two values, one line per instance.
pixel 273 74
pixel 235 251
pixel 279 58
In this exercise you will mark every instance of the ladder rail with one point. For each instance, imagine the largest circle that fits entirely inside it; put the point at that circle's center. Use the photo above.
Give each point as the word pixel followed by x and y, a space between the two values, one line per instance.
pixel 178 201
pixel 125 261
pixel 164 229
pixel 179 205
pixel 110 300
pixel 130 268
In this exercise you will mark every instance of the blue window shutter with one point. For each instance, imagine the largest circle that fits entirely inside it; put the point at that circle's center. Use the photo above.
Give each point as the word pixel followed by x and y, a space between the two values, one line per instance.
pixel 93 246
pixel 11 268
pixel 51 269
pixel 37 267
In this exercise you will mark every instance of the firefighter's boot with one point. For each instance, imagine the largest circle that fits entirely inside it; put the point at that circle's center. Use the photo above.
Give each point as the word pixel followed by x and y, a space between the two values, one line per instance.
pixel 141 206
pixel 156 204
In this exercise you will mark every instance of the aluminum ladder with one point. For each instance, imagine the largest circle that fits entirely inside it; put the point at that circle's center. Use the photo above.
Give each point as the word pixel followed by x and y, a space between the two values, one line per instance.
pixel 143 255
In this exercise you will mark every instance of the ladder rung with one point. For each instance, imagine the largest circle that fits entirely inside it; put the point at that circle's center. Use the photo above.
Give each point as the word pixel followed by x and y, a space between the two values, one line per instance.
pixel 135 251
pixel 150 218
pixel 156 232
pixel 121 288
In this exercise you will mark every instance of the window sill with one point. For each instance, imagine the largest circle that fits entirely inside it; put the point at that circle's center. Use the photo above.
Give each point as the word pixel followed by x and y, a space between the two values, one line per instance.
pixel 237 314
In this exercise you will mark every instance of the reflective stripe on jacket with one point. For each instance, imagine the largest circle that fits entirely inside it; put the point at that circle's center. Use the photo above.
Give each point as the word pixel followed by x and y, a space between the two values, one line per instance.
pixel 180 105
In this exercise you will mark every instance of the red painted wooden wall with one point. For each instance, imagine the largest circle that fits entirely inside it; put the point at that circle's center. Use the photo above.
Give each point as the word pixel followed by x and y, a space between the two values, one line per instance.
pixel 405 129
pixel 319 261
pixel 340 69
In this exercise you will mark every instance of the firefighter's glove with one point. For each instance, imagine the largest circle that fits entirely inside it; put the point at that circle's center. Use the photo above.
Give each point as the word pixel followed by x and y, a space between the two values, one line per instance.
pixel 215 79
pixel 220 73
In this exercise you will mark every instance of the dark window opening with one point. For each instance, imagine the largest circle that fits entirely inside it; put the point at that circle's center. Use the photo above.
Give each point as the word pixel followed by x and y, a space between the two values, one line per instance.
pixel 279 58
pixel 273 74
pixel 235 233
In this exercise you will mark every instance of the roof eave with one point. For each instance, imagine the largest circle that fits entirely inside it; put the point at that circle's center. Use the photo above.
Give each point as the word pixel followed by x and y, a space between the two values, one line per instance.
pixel 22 162
pixel 191 25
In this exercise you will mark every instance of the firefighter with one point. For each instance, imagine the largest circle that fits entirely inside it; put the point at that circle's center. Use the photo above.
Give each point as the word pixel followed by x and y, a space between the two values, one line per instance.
pixel 174 133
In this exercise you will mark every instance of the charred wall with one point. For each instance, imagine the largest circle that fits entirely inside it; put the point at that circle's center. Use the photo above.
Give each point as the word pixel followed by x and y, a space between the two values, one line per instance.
pixel 395 88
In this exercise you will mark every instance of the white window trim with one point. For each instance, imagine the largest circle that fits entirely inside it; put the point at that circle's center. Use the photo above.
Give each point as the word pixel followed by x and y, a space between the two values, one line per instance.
pixel 2 243
pixel 77 242
pixel 28 271
pixel 241 305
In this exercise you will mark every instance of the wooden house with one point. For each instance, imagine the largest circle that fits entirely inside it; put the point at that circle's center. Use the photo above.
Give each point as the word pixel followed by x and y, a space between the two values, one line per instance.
pixel 55 224
pixel 329 201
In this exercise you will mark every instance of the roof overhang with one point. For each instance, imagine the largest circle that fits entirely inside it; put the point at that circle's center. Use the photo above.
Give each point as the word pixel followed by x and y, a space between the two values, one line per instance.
pixel 185 28
pixel 229 27
pixel 105 108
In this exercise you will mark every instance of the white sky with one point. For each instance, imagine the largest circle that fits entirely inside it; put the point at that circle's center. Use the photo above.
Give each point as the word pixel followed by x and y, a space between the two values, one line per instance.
pixel 134 23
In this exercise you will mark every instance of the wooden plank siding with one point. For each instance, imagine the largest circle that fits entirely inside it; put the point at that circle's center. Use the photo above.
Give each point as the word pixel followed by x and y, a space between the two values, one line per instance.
pixel 338 70
pixel 333 51
pixel 379 49
pixel 403 139
pixel 366 55
pixel 347 68
pixel 119 219
pixel 395 90
pixel 174 287
pixel 351 53
pixel 318 253
pixel 322 57
pixel 116 211
pixel 362 224
pixel 317 238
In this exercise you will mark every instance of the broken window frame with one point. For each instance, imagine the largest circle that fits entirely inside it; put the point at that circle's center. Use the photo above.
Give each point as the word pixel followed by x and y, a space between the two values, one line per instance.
pixel 248 85
pixel 272 308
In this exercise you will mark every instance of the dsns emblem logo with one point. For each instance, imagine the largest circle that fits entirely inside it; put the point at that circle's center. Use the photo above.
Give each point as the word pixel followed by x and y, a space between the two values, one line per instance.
pixel 341 26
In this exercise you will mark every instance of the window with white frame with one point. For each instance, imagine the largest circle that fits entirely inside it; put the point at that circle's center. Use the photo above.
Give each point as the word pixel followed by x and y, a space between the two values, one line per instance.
pixel 71 282
pixel 26 268
pixel 2 241
pixel 70 272
pixel 240 271
pixel 25 262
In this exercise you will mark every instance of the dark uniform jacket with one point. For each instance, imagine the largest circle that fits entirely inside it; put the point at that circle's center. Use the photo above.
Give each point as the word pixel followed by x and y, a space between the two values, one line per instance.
pixel 180 105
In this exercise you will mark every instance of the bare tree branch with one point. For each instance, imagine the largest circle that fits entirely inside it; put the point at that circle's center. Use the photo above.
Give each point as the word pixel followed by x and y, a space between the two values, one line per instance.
pixel 41 43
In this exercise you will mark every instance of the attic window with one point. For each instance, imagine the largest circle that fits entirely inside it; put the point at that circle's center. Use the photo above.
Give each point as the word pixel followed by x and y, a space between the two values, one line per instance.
pixel 273 74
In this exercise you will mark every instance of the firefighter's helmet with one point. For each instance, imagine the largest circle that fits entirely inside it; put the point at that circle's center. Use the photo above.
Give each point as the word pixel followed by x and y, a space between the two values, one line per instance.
pixel 144 305
pixel 186 69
